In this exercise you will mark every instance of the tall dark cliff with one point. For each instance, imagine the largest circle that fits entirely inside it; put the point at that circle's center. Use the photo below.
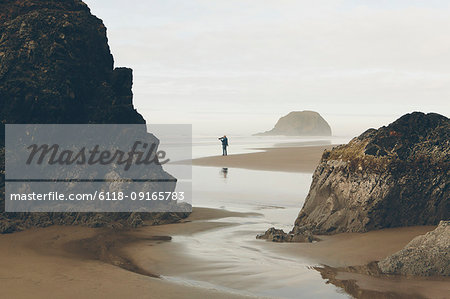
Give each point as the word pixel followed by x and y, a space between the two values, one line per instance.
pixel 394 176
pixel 56 67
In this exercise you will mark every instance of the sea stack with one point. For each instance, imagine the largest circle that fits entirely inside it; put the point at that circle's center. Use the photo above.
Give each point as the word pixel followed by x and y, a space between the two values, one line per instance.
pixel 394 176
pixel 391 177
pixel 300 123
pixel 56 67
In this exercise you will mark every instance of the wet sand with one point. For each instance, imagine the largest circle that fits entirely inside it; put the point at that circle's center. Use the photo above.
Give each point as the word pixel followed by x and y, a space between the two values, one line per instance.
pixel 338 251
pixel 77 262
pixel 345 261
pixel 350 249
pixel 361 285
pixel 80 262
pixel 291 159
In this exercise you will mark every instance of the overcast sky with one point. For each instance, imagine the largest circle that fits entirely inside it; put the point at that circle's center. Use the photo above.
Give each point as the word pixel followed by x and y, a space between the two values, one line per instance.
pixel 236 66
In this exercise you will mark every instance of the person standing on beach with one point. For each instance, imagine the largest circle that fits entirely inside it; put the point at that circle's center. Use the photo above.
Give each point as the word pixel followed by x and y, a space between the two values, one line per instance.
pixel 224 141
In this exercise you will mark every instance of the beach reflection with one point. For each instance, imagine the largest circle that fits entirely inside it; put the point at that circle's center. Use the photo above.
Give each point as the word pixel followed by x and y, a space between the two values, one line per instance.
pixel 230 256
pixel 224 172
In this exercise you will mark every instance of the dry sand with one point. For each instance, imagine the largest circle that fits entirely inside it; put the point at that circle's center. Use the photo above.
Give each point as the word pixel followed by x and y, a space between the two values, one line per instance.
pixel 291 159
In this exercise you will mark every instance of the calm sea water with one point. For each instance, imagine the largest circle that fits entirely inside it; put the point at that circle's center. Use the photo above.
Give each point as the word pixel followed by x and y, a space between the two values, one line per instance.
pixel 203 146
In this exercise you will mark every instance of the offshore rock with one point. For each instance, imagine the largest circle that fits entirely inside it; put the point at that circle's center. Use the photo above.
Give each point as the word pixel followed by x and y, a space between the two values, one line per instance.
pixel 300 123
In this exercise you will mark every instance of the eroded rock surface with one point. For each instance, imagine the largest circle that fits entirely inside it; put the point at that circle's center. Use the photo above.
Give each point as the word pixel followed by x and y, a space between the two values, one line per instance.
pixel 278 235
pixel 390 177
pixel 425 255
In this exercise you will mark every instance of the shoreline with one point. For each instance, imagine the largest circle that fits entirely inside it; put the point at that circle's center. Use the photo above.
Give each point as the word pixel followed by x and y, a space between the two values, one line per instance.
pixel 82 262
pixel 130 261
pixel 353 249
pixel 288 159
pixel 334 253
pixel 146 262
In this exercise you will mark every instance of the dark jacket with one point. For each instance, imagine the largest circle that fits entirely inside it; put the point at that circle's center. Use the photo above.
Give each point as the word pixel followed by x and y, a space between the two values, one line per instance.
pixel 224 141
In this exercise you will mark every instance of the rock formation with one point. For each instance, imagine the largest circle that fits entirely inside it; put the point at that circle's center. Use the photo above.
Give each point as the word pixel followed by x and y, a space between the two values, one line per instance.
pixel 390 177
pixel 394 176
pixel 56 67
pixel 300 123
pixel 278 235
pixel 425 255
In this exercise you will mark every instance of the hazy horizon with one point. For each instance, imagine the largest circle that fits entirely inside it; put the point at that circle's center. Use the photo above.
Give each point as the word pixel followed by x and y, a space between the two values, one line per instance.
pixel 236 67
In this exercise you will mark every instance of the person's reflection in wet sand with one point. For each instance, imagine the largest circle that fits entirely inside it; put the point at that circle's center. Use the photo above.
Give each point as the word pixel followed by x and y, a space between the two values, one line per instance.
pixel 224 172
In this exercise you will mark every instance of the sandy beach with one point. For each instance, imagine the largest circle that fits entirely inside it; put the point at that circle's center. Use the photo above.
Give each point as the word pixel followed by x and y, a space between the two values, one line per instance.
pixel 83 262
pixel 338 251
pixel 331 117
pixel 80 262
pixel 291 159
pixel 156 261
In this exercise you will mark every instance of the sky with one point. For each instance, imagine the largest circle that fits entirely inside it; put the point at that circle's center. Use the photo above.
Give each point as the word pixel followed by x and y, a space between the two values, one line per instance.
pixel 236 66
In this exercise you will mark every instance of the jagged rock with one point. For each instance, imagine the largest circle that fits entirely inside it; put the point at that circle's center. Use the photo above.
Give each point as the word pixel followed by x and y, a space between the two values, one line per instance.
pixel 300 123
pixel 394 176
pixel 425 255
pixel 7 227
pixel 56 67
pixel 273 234
pixel 135 220
pixel 99 220
pixel 278 235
